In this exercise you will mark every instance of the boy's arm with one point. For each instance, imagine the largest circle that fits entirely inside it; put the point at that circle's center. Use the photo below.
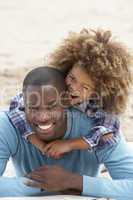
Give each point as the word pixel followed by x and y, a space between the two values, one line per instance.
pixel 17 116
pixel 16 102
pixel 105 130
pixel 57 148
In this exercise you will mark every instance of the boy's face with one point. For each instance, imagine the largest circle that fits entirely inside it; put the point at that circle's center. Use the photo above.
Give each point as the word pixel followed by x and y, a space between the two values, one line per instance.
pixel 80 85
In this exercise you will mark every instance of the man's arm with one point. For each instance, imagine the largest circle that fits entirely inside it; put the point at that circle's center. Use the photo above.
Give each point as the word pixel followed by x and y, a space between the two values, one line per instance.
pixel 119 162
pixel 15 187
pixel 11 186
pixel 107 188
pixel 8 141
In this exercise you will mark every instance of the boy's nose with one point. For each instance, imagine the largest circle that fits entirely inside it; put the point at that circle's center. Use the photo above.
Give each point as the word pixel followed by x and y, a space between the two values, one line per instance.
pixel 68 81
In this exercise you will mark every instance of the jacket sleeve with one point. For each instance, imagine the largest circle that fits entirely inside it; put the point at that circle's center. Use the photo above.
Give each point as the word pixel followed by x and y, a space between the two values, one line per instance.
pixel 11 186
pixel 118 160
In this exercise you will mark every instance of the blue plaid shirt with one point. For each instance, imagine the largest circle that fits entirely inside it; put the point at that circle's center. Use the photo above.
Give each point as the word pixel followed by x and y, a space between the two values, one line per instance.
pixel 104 123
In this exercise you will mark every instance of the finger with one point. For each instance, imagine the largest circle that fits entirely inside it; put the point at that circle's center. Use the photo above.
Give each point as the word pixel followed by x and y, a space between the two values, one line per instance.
pixel 50 152
pixel 47 147
pixel 40 169
pixel 54 155
pixel 35 184
pixel 36 177
pixel 58 156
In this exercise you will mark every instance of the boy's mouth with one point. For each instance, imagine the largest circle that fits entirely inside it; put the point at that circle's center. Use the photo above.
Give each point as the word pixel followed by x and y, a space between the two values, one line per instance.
pixel 74 98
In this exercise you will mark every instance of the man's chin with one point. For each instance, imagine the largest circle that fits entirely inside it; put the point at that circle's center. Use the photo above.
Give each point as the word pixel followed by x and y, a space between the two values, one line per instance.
pixel 45 138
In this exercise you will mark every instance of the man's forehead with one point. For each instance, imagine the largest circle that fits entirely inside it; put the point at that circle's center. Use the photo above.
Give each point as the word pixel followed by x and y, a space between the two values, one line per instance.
pixel 41 88
pixel 46 93
pixel 44 90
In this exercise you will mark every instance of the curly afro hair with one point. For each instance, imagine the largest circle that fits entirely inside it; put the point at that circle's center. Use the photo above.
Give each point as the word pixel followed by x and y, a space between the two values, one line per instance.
pixel 108 63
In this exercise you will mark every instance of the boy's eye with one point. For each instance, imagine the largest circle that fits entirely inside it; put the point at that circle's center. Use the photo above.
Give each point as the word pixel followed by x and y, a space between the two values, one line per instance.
pixel 87 87
pixel 71 77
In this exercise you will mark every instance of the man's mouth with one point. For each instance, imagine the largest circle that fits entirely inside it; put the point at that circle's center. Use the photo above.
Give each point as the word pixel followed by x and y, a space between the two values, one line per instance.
pixel 45 128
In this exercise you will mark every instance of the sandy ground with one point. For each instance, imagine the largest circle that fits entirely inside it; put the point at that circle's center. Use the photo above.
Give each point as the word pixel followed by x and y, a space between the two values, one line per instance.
pixel 30 29
pixel 57 197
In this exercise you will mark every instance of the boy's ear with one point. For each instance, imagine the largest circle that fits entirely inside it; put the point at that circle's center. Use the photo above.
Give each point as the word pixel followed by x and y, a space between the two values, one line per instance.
pixel 65 99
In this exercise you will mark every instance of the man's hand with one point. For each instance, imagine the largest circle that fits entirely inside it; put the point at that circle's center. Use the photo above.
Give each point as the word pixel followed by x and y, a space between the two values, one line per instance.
pixel 54 178
pixel 57 148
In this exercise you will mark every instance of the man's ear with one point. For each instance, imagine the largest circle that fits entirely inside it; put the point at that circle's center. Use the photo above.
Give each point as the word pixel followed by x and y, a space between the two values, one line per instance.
pixel 64 99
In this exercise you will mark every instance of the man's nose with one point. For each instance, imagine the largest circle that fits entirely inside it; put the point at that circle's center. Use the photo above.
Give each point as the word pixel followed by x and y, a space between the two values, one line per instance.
pixel 43 116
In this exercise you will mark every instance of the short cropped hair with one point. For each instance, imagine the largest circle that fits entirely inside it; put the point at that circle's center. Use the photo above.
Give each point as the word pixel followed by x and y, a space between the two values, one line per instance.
pixel 44 75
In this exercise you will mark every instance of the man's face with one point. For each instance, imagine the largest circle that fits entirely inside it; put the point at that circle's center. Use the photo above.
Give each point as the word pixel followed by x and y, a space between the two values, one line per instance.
pixel 44 112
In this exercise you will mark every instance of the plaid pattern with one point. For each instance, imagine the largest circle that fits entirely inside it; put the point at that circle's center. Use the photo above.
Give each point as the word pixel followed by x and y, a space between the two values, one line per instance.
pixel 17 116
pixel 104 123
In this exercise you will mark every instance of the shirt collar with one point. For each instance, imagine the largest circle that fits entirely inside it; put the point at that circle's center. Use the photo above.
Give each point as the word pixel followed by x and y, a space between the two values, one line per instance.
pixel 69 124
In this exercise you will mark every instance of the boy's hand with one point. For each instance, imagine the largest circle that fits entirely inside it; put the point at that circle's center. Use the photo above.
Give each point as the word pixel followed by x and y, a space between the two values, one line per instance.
pixel 57 148
pixel 39 144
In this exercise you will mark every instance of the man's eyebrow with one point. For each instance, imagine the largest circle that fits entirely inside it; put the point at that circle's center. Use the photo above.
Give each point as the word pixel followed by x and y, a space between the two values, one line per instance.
pixel 31 105
pixel 52 102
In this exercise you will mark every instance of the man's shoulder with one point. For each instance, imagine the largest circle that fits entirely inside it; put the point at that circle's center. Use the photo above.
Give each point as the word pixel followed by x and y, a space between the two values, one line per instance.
pixel 79 121
pixel 9 137
pixel 6 126
pixel 75 111
pixel 3 117
pixel 78 115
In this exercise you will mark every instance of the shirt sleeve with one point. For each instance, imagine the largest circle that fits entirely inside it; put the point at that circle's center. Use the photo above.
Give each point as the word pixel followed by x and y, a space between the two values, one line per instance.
pixel 118 160
pixel 11 186
pixel 15 187
pixel 104 124
pixel 16 101
pixel 17 116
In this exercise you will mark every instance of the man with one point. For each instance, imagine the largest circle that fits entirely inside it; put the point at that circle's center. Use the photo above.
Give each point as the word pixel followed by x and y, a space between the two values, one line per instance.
pixel 45 110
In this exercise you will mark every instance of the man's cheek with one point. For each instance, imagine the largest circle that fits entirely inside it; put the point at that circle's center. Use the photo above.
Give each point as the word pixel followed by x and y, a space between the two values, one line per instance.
pixel 58 114
pixel 29 118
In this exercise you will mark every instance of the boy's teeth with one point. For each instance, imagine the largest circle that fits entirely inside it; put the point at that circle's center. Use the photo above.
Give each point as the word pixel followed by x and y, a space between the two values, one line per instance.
pixel 45 127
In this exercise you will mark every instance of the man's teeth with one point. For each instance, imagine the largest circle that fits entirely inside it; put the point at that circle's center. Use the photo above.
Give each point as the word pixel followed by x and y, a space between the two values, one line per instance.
pixel 45 127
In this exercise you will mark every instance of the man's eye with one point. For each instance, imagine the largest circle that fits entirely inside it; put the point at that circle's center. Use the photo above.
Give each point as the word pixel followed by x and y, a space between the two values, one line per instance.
pixel 52 106
pixel 32 108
